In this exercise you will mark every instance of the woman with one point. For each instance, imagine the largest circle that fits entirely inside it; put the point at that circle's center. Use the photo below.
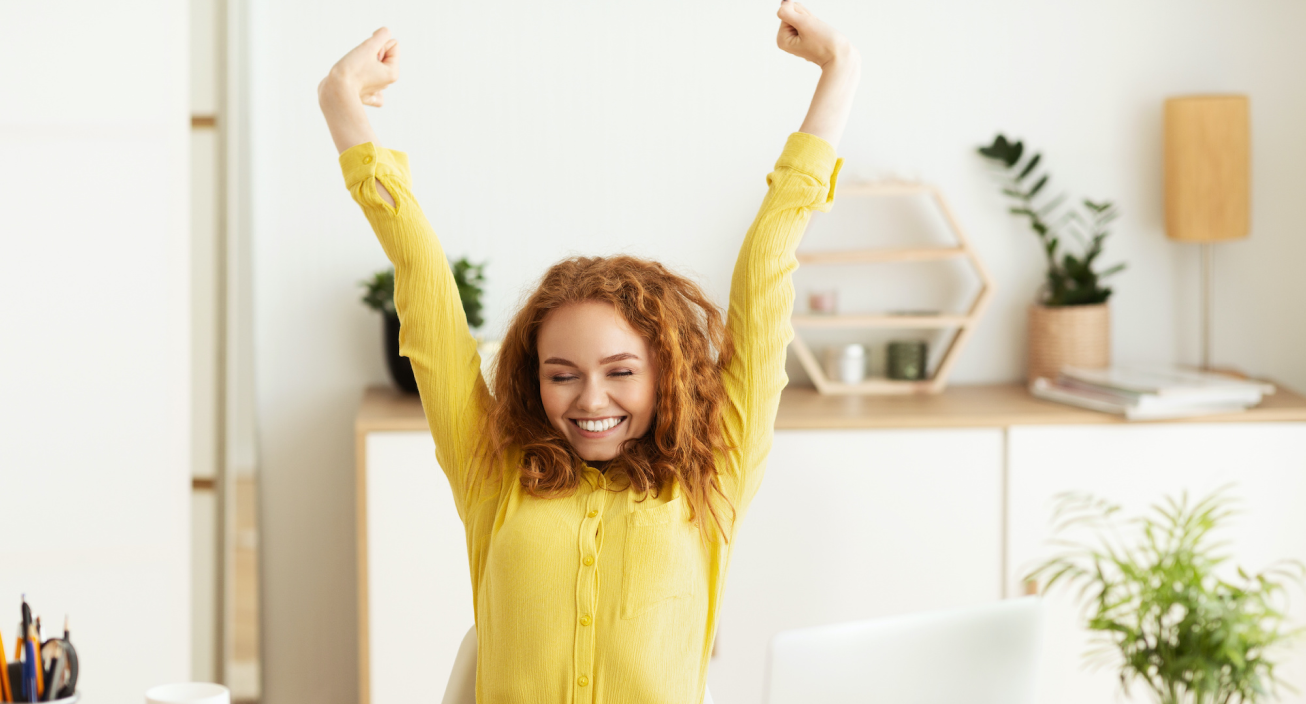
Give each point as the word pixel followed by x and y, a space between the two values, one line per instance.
pixel 602 482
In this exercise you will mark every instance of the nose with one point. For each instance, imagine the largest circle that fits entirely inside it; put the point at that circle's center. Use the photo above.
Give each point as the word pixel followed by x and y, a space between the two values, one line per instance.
pixel 593 398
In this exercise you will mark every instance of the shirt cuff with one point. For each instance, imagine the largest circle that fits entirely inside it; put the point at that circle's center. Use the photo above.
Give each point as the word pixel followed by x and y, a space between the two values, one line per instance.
pixel 363 161
pixel 813 156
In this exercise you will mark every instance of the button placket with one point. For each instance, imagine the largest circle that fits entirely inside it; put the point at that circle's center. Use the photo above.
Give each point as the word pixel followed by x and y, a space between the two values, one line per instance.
pixel 587 586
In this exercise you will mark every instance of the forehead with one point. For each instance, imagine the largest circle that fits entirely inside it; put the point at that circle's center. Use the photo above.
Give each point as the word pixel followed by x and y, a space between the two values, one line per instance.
pixel 587 332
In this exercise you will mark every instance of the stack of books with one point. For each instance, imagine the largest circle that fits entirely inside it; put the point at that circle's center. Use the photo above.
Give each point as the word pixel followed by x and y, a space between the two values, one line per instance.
pixel 1151 393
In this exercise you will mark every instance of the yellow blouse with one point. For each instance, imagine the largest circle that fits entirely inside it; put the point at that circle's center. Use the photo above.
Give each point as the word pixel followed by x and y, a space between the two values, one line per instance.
pixel 594 597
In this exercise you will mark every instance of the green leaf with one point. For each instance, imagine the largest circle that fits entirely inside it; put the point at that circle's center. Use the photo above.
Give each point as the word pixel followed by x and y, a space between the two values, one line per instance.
pixel 1112 270
pixel 1038 186
pixel 1033 162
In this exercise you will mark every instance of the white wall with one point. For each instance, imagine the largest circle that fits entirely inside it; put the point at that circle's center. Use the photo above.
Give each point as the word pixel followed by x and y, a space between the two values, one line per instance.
pixel 94 334
pixel 541 129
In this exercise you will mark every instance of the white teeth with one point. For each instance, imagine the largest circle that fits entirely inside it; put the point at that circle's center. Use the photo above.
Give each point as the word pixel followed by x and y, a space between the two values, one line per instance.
pixel 598 426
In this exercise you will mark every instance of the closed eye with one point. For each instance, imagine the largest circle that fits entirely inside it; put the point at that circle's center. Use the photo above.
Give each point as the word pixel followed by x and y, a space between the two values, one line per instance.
pixel 561 378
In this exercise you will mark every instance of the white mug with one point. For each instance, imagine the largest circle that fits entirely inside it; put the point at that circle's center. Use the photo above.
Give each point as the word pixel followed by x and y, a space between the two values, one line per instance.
pixel 188 693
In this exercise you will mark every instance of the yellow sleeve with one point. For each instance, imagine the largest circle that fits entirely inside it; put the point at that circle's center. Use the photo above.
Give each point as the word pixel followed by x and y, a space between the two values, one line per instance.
pixel 761 302
pixel 433 331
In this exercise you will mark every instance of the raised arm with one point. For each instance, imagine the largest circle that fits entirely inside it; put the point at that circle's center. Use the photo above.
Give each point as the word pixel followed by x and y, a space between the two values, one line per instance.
pixel 805 36
pixel 359 78
pixel 433 333
pixel 761 290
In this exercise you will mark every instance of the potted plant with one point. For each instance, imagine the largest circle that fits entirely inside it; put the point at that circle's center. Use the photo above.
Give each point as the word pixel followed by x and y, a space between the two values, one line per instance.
pixel 379 295
pixel 1162 606
pixel 1070 324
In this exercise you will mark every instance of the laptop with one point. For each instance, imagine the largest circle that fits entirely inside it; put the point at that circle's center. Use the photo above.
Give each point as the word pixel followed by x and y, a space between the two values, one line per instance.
pixel 981 655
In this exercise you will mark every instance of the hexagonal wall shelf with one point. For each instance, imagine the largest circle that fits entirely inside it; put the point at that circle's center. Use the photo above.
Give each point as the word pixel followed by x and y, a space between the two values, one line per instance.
pixel 963 324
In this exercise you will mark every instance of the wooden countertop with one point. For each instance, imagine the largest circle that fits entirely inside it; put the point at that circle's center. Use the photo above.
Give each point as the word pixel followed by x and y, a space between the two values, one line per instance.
pixel 986 406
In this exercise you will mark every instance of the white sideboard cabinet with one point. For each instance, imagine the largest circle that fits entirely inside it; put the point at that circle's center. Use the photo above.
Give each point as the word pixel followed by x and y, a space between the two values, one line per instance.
pixel 870 507
pixel 853 524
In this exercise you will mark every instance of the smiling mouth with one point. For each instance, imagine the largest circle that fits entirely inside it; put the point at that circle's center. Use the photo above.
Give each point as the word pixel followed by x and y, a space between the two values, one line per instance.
pixel 597 427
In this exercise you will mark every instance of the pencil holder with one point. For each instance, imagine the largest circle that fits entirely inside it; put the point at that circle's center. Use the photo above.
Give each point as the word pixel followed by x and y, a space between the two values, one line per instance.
pixel 20 695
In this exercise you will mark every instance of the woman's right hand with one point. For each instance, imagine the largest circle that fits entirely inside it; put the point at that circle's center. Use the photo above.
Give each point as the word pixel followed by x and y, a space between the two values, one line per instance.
pixel 365 71
pixel 356 80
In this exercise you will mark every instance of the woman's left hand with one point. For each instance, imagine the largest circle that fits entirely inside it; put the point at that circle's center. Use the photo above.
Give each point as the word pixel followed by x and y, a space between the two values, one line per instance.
pixel 805 35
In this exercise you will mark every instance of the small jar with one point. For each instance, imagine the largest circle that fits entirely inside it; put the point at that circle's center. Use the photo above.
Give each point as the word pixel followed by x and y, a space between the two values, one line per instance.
pixel 907 359
pixel 852 364
pixel 823 301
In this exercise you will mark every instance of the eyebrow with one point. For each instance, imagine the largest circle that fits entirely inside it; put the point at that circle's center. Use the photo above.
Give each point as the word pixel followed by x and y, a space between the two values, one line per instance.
pixel 606 360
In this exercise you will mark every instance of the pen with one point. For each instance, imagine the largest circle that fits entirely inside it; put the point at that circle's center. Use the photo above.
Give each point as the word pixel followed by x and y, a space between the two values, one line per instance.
pixel 34 638
pixel 29 668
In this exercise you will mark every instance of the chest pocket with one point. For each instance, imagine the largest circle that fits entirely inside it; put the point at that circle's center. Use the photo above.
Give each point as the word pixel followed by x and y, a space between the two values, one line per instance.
pixel 662 557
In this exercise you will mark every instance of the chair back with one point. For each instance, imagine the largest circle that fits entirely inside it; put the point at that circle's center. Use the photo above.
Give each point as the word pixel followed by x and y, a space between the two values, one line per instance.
pixel 462 680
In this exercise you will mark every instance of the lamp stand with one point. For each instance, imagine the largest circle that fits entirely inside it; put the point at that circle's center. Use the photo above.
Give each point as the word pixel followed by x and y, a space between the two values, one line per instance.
pixel 1206 306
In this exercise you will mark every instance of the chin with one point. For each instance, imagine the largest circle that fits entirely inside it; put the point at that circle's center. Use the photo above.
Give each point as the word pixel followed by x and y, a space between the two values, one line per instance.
pixel 597 454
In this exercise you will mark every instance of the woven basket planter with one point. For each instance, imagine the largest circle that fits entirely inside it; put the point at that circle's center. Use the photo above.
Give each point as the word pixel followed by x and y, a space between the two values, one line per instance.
pixel 1077 336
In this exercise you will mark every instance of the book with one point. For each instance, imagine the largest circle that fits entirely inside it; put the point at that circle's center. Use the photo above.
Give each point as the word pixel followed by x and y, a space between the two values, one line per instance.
pixel 1158 402
pixel 1160 382
pixel 1108 402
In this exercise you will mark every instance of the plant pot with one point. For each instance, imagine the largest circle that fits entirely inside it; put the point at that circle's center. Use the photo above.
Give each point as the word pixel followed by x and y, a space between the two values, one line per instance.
pixel 1077 336
pixel 401 370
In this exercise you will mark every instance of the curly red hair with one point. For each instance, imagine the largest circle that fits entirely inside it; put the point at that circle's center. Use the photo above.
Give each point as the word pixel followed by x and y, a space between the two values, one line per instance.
pixel 686 334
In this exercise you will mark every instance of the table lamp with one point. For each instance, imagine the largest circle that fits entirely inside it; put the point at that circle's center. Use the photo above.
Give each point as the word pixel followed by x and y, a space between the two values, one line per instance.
pixel 1207 180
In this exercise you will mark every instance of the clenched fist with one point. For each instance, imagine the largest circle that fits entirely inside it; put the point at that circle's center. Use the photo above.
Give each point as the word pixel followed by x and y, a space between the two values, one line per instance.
pixel 803 34
pixel 365 71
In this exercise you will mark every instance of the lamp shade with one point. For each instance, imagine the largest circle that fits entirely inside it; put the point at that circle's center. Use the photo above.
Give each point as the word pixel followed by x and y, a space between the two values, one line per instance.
pixel 1207 168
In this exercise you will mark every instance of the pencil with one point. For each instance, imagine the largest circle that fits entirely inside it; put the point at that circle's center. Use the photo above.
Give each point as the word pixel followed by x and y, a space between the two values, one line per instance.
pixel 52 680
pixel 6 692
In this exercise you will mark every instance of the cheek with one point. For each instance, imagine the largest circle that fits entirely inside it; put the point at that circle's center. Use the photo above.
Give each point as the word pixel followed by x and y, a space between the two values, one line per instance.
pixel 642 400
pixel 555 402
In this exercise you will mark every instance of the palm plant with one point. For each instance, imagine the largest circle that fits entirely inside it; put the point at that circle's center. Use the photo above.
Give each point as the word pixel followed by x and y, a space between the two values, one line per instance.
pixel 1071 278
pixel 1159 609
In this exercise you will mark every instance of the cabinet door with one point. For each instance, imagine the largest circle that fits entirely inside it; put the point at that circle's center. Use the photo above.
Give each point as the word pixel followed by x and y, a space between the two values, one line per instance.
pixel 856 524
pixel 419 588
pixel 1136 466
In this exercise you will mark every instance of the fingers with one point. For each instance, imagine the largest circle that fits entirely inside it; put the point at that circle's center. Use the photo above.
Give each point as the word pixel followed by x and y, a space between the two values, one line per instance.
pixel 793 12
pixel 389 53
pixel 379 37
